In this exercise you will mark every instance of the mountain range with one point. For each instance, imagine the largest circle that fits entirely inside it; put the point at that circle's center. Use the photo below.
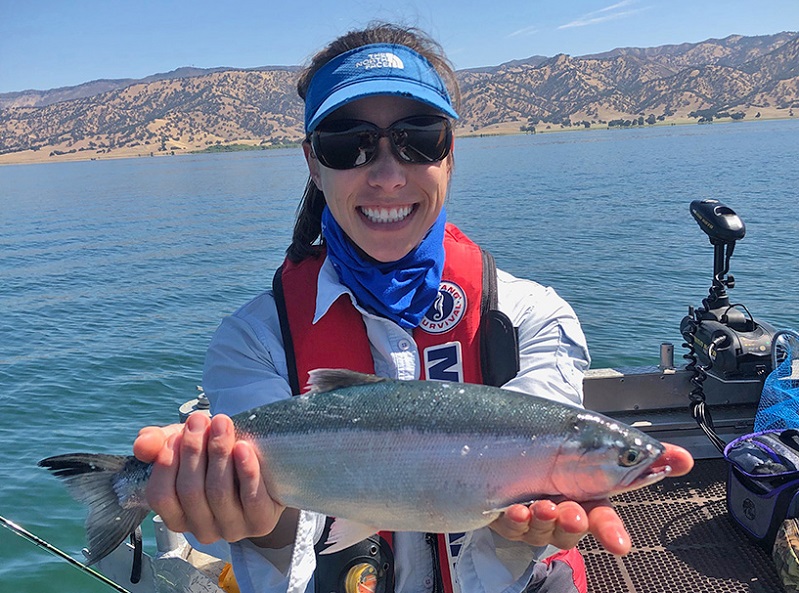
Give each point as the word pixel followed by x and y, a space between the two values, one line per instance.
pixel 193 109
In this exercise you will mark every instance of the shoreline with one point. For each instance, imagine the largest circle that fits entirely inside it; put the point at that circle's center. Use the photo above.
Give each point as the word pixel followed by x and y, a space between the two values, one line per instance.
pixel 44 155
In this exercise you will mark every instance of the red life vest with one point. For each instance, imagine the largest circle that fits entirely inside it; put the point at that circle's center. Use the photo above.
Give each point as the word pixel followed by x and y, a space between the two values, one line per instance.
pixel 448 337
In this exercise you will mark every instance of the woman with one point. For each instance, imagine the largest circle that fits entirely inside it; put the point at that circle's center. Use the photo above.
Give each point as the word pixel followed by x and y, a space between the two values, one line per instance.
pixel 392 278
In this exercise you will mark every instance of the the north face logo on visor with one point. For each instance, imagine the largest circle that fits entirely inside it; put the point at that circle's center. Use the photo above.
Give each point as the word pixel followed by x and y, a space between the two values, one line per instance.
pixel 381 60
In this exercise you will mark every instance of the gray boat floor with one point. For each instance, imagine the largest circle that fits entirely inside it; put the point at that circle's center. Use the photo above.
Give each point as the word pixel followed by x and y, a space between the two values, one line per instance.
pixel 683 542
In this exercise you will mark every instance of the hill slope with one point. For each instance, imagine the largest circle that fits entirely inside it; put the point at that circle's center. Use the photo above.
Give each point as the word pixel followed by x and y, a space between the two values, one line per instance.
pixel 190 109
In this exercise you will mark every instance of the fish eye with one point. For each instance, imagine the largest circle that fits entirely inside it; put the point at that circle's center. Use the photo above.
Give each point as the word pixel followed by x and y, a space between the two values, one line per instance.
pixel 630 457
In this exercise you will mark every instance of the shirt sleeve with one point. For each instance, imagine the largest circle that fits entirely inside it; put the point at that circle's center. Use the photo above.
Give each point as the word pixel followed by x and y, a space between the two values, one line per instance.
pixel 553 353
pixel 245 367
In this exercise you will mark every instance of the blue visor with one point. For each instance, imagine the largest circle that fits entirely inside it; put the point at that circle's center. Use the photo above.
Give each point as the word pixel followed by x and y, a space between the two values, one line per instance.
pixel 369 70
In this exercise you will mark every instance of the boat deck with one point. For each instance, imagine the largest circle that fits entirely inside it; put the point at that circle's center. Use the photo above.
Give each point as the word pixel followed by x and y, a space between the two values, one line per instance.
pixel 683 542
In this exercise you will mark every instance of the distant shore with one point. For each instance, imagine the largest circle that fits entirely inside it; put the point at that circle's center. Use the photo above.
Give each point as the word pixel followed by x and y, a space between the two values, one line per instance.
pixel 45 154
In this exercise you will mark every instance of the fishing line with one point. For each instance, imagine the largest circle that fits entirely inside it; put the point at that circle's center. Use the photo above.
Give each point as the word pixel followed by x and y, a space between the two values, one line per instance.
pixel 63 555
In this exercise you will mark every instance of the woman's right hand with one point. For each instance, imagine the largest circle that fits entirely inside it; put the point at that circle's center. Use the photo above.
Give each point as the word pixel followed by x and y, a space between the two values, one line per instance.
pixel 207 483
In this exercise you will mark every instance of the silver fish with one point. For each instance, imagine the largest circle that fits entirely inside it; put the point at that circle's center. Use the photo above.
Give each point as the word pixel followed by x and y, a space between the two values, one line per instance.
pixel 380 454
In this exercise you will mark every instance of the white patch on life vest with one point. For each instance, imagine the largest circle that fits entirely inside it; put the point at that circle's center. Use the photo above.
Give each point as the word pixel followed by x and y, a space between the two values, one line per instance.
pixel 381 60
pixel 455 542
pixel 444 362
pixel 447 310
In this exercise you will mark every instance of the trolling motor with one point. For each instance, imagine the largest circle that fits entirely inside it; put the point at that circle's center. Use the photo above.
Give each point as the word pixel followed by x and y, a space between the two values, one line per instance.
pixel 723 339
pixel 725 336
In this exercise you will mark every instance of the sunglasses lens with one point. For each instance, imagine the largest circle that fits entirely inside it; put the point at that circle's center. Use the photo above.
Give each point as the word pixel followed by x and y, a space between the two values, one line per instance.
pixel 422 139
pixel 346 144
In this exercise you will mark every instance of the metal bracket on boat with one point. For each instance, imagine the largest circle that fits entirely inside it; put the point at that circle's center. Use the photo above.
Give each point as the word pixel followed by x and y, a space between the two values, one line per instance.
pixel 200 404
pixel 135 540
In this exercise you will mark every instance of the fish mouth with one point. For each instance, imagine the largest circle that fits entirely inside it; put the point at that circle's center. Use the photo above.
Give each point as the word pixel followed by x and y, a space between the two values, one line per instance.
pixel 651 475
pixel 655 469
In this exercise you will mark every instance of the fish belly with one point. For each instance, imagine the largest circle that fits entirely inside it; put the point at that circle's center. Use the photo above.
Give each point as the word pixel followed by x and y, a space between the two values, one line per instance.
pixel 406 480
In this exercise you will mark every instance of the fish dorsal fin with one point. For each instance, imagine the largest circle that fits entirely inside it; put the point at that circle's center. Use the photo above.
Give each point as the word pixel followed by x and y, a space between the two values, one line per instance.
pixel 321 380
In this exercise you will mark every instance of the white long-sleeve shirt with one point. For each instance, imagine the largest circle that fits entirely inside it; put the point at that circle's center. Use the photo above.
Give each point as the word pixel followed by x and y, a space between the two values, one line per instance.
pixel 246 367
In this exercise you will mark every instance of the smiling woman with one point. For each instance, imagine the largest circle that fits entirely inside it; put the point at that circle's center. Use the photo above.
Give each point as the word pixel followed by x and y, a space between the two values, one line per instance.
pixel 377 281
pixel 439 77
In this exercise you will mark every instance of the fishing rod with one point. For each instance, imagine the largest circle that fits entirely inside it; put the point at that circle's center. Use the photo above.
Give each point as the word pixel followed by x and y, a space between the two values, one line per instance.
pixel 61 554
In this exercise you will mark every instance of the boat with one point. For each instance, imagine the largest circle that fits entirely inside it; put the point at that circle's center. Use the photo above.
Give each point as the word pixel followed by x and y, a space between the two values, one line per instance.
pixel 682 533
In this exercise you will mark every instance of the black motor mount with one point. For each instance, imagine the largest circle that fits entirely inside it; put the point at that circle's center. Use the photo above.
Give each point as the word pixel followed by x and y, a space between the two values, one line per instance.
pixel 726 340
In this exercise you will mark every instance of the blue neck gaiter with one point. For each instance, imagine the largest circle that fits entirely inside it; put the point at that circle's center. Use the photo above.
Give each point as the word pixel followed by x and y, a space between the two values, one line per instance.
pixel 401 290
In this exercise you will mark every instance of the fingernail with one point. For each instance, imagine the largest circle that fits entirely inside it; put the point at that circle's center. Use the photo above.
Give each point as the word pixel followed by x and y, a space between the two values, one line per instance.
pixel 219 428
pixel 195 423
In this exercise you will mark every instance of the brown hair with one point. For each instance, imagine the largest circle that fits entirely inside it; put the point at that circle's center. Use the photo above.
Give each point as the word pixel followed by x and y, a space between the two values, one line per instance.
pixel 307 238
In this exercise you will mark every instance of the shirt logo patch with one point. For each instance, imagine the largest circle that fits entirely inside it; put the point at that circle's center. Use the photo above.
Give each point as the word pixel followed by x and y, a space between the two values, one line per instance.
pixel 447 310
pixel 381 60
pixel 444 362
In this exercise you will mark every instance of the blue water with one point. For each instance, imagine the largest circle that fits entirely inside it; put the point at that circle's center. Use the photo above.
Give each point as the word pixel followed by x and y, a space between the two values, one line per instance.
pixel 114 274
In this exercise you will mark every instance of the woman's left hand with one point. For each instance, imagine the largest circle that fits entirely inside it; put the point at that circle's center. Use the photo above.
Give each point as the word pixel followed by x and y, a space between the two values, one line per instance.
pixel 564 525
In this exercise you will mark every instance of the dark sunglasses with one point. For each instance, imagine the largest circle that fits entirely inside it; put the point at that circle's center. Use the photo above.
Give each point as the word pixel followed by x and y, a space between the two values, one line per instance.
pixel 350 143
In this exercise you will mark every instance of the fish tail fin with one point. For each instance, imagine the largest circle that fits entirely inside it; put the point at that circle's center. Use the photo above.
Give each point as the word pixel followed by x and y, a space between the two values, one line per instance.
pixel 112 487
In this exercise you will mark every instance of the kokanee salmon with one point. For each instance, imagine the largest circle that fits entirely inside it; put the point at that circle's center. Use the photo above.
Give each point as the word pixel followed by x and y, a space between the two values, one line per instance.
pixel 380 454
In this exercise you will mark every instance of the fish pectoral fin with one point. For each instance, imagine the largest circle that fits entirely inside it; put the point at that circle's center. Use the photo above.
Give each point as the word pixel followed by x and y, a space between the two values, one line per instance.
pixel 494 513
pixel 497 512
pixel 345 533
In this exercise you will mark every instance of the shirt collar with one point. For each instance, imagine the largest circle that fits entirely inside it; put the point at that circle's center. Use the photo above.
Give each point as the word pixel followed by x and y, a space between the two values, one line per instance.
pixel 328 289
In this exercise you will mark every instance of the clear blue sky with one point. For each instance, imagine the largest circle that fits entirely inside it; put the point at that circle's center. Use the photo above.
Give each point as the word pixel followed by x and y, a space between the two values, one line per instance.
pixel 46 44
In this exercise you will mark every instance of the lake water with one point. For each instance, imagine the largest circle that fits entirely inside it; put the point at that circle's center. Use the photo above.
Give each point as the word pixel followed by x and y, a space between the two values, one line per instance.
pixel 114 275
